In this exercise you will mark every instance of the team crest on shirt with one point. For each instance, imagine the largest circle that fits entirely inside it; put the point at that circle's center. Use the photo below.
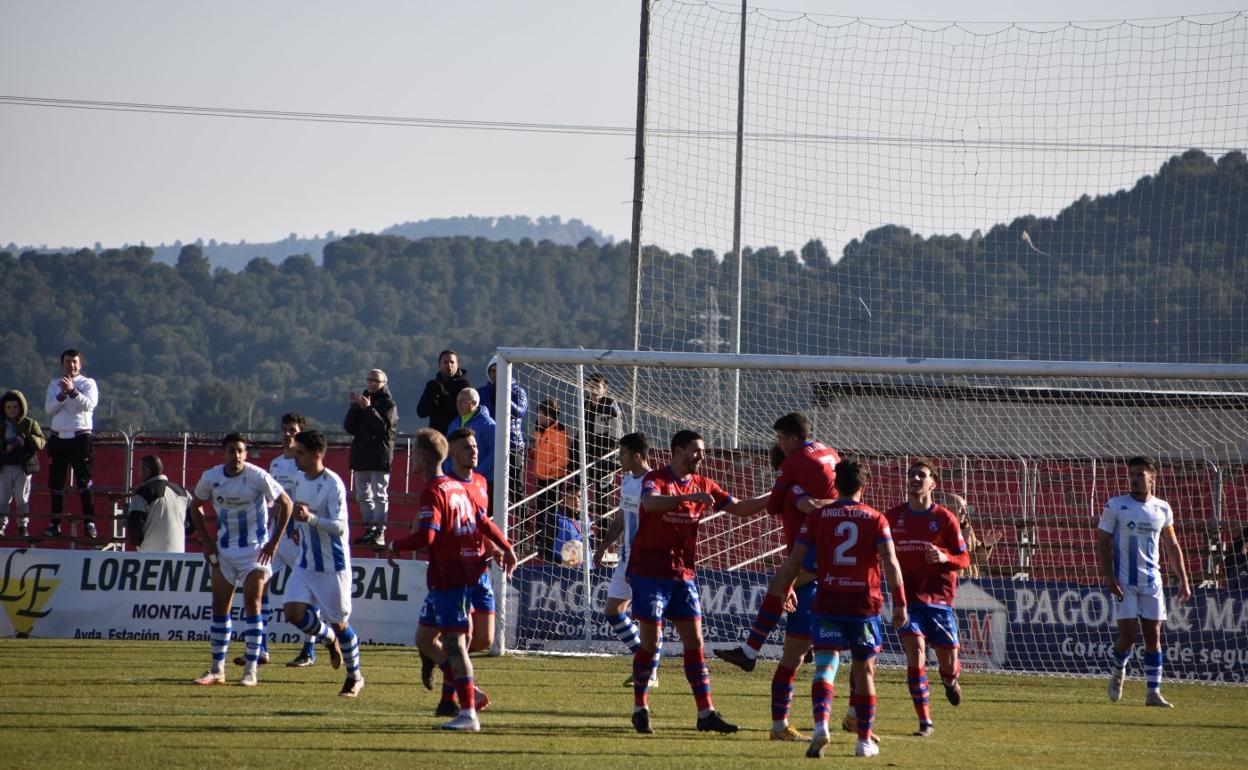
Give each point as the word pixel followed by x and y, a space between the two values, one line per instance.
pixel 933 526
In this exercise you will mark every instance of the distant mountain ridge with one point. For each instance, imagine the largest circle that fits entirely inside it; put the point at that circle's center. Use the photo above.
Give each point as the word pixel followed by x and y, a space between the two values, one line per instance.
pixel 235 256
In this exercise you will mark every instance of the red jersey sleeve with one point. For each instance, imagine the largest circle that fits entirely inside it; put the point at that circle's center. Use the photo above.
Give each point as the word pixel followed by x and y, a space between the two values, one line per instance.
pixel 722 498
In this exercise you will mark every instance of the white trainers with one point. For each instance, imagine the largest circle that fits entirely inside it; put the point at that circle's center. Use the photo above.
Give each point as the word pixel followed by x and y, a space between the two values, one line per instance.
pixel 1116 675
pixel 249 679
pixel 465 722
pixel 866 749
pixel 211 677
pixel 1154 699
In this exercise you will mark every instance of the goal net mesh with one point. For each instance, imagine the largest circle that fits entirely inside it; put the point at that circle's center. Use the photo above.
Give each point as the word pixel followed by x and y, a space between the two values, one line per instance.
pixel 1035 459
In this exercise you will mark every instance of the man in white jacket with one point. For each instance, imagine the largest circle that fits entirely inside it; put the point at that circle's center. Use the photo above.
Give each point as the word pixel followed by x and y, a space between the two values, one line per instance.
pixel 70 404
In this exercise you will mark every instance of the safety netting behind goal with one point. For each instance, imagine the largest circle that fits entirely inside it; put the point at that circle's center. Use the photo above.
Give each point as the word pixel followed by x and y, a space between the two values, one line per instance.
pixel 1030 459
pixel 1072 191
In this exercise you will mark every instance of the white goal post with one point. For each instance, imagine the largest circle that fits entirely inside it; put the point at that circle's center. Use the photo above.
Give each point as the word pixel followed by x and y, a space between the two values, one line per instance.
pixel 1035 448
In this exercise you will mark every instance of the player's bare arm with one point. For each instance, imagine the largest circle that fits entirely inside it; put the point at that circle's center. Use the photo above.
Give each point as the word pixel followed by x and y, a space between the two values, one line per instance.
pixel 750 507
pixel 1104 546
pixel 1174 556
pixel 614 530
pixel 663 503
pixel 808 504
pixel 892 571
pixel 284 508
pixel 201 526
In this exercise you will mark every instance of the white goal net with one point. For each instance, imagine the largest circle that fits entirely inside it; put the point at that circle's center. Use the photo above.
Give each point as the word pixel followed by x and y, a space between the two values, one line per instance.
pixel 1035 449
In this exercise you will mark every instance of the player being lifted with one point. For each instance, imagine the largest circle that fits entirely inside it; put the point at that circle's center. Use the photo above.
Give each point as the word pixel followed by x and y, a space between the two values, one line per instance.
pixel 286 471
pixel 1126 547
pixel 462 444
pixel 242 551
pixel 930 549
pixel 634 449
pixel 661 567
pixel 807 472
pixel 318 595
pixel 850 540
pixel 448 527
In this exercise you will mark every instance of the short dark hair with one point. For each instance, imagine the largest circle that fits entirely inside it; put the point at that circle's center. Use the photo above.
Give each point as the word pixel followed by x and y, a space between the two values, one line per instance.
pixel 313 440
pixel 923 462
pixel 152 463
pixel 70 353
pixel 550 408
pixel 460 433
pixel 596 378
pixel 294 418
pixel 850 476
pixel 230 438
pixel 684 438
pixel 793 424
pixel 636 443
pixel 775 456
pixel 447 352
pixel 1149 463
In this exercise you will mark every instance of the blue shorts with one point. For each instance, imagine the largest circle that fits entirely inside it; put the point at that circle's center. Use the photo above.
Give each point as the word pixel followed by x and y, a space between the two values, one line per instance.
pixel 481 595
pixel 798 622
pixel 938 624
pixel 446 610
pixel 863 637
pixel 655 599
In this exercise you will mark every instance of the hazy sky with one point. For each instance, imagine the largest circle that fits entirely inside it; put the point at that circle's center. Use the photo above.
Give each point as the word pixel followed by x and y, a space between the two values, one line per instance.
pixel 74 177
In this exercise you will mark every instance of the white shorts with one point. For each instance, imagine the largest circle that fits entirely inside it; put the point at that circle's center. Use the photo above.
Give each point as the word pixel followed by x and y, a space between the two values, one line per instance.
pixel 237 563
pixel 619 588
pixel 329 591
pixel 1141 602
pixel 287 555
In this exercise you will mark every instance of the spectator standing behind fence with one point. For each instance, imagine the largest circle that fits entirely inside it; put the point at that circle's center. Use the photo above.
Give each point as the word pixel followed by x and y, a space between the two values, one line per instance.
pixel 475 415
pixel 604 425
pixel 157 519
pixel 70 404
pixel 19 460
pixel 516 408
pixel 550 462
pixel 438 401
pixel 371 420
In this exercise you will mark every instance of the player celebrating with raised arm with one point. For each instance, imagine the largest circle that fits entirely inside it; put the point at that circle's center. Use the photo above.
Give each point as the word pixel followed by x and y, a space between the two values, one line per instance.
pixel 930 549
pixel 851 540
pixel 322 578
pixel 634 449
pixel 242 551
pixel 807 472
pixel 661 568
pixel 447 526
pixel 1126 547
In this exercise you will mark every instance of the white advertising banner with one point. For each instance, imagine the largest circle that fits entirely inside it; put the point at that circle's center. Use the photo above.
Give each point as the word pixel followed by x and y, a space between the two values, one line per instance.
pixel 125 595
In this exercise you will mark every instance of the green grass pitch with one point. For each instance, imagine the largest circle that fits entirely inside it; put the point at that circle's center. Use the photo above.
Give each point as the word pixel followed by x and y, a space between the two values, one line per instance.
pixel 116 704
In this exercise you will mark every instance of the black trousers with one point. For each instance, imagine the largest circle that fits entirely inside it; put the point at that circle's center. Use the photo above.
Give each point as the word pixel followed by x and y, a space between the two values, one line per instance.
pixel 79 454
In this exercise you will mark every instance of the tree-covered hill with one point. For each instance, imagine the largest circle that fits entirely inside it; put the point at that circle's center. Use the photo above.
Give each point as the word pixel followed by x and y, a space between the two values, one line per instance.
pixel 1157 272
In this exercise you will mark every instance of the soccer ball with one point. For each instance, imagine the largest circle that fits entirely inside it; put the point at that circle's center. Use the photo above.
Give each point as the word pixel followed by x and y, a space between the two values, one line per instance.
pixel 572 554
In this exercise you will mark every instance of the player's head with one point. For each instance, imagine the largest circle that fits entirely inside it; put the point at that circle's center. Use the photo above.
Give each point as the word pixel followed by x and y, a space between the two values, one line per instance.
pixel 150 466
pixel 633 450
pixel 792 430
pixel 292 423
pixel 775 456
pixel 448 362
pixel 1142 472
pixel 462 444
pixel 71 362
pixel 921 478
pixel 851 478
pixel 430 452
pixel 688 451
pixel 467 401
pixel 234 449
pixel 547 413
pixel 310 448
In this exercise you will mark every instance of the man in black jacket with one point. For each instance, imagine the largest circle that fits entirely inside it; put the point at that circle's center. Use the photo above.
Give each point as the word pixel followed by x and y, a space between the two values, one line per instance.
pixel 438 401
pixel 371 421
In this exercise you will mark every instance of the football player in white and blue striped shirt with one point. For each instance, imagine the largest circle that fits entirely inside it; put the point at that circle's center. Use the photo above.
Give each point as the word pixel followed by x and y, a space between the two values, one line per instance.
pixel 318 595
pixel 241 552
pixel 1131 527
pixel 286 471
